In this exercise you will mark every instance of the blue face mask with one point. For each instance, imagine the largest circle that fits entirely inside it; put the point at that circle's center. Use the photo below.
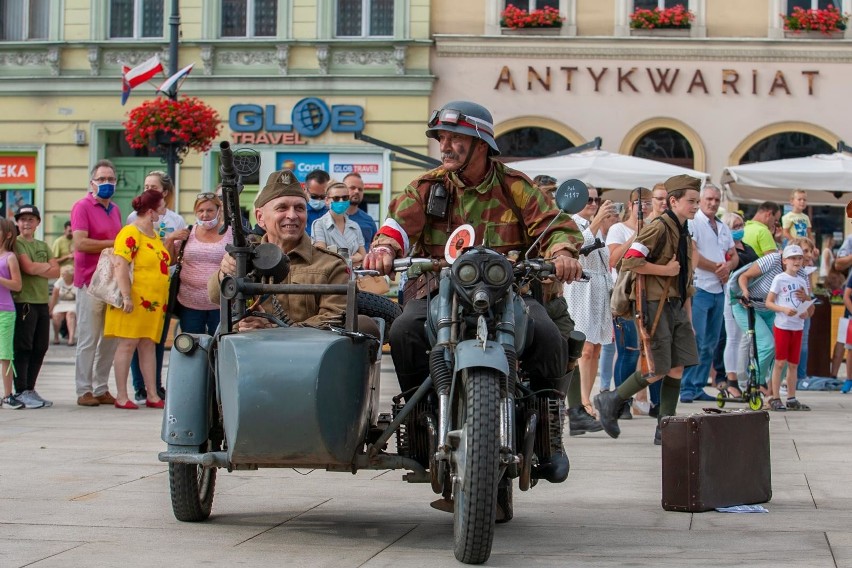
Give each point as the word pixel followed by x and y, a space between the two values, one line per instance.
pixel 106 190
pixel 339 207
pixel 738 234
pixel 316 204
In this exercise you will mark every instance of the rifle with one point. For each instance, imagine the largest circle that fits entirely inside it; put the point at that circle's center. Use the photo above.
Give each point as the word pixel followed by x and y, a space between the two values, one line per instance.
pixel 646 358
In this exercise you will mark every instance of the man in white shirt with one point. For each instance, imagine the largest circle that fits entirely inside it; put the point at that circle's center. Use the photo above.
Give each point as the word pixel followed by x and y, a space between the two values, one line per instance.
pixel 716 259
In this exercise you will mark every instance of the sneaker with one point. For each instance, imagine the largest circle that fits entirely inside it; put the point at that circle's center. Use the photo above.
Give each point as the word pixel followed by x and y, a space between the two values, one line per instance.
pixel 29 400
pixel 776 404
pixel 11 402
pixel 783 392
pixel 36 396
pixel 847 386
pixel 140 397
pixel 794 404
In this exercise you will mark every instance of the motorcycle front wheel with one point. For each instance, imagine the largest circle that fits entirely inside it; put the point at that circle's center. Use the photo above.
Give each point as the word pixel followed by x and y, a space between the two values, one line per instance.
pixel 479 452
pixel 192 488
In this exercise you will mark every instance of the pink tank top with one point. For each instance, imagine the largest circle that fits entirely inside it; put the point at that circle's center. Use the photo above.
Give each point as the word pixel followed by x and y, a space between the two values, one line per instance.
pixel 7 304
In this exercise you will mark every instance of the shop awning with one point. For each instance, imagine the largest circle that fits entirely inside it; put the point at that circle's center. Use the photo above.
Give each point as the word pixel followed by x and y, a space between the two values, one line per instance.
pixel 604 170
pixel 826 177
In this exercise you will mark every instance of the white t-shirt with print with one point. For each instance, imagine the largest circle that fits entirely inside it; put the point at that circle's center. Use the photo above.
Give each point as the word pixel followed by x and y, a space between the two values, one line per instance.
pixel 785 287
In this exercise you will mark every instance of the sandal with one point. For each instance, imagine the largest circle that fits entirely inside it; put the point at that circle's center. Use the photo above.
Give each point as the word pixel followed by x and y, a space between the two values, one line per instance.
pixel 794 404
pixel 776 404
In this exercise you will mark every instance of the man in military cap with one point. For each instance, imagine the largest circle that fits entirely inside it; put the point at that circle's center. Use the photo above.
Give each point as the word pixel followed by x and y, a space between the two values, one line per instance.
pixel 281 209
pixel 662 252
pixel 507 213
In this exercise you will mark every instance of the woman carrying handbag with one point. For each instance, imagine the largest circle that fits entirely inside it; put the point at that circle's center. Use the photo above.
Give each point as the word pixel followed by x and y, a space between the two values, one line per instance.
pixel 138 324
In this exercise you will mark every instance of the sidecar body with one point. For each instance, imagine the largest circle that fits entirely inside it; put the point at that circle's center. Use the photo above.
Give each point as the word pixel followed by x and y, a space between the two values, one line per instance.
pixel 288 397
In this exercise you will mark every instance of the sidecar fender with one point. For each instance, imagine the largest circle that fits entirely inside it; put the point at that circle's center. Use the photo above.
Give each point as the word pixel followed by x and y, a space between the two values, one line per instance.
pixel 470 353
pixel 186 418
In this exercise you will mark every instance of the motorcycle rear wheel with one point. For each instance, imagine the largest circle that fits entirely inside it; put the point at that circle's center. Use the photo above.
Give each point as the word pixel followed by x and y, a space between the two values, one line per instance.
pixel 476 494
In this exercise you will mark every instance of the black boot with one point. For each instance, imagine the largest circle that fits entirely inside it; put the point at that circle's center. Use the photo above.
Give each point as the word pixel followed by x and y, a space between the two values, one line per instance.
pixel 658 436
pixel 553 465
pixel 580 421
pixel 609 408
pixel 626 410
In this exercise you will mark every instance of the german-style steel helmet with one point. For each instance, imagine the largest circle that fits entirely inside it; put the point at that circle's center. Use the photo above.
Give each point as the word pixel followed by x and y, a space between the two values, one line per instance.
pixel 464 117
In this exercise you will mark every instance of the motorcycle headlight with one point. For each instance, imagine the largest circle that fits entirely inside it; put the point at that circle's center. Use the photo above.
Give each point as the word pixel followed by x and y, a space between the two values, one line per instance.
pixel 497 273
pixel 467 273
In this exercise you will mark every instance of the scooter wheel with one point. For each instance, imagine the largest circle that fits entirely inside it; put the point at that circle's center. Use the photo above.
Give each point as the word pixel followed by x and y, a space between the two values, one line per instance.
pixel 755 401
pixel 720 399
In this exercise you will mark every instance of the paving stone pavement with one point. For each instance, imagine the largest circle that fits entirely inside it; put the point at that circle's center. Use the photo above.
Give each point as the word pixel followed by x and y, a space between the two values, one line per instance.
pixel 83 487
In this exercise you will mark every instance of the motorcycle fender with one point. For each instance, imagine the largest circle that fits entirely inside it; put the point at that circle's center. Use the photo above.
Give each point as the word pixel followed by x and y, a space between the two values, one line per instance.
pixel 469 354
pixel 186 418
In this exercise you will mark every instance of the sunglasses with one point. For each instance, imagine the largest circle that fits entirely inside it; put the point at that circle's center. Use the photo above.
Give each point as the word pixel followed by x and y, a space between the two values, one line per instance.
pixel 596 200
pixel 320 197
pixel 339 198
pixel 206 195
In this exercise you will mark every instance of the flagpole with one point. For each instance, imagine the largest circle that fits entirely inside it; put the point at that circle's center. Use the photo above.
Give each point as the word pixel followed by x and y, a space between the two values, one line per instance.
pixel 174 29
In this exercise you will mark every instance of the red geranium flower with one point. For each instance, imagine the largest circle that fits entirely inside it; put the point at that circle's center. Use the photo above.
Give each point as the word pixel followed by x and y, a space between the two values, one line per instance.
pixel 187 122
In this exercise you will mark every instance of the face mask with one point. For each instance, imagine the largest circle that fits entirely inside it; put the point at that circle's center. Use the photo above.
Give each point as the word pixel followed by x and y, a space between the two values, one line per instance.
pixel 339 207
pixel 211 224
pixel 738 234
pixel 105 190
pixel 316 204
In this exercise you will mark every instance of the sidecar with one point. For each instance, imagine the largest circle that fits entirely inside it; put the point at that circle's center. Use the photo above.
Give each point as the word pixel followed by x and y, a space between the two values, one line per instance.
pixel 281 397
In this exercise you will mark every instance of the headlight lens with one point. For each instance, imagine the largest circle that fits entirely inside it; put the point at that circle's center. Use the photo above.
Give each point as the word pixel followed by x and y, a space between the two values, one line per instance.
pixel 184 343
pixel 496 274
pixel 467 273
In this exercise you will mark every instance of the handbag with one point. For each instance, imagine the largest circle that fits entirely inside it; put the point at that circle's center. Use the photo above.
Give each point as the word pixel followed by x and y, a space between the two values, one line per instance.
pixel 619 301
pixel 104 285
pixel 174 281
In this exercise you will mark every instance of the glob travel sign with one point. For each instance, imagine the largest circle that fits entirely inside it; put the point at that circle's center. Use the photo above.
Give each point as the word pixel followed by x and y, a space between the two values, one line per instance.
pixel 309 118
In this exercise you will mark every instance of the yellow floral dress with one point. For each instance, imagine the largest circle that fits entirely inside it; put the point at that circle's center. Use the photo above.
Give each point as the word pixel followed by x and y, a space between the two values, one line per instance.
pixel 150 289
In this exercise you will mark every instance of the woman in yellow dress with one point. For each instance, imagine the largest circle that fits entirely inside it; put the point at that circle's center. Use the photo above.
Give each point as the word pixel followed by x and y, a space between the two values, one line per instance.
pixel 138 324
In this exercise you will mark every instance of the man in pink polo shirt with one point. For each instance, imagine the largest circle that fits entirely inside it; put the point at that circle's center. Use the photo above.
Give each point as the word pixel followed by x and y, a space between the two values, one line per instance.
pixel 95 222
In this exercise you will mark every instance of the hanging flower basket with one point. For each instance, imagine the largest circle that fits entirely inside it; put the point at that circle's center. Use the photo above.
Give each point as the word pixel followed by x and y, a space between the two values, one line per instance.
pixel 186 123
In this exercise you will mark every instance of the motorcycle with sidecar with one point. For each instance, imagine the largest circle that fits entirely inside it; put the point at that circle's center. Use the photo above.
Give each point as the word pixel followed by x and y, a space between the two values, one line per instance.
pixel 299 397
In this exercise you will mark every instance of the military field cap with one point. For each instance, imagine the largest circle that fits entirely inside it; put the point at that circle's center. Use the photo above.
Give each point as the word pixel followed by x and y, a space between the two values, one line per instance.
pixel 682 181
pixel 792 250
pixel 279 184
pixel 28 210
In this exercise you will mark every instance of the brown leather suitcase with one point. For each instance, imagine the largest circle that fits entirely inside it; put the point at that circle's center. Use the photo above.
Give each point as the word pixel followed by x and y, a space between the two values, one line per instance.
pixel 718 459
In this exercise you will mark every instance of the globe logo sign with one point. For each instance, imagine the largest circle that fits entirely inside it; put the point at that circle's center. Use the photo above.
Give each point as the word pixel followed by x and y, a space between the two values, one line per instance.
pixel 310 117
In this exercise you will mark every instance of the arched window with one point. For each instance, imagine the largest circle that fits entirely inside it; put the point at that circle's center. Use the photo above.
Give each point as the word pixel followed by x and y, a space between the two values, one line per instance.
pixel 786 145
pixel 666 145
pixel 531 142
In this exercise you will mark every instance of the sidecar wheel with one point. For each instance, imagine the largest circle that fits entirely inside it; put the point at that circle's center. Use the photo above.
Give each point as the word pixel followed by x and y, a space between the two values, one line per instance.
pixel 479 466
pixel 192 487
pixel 376 306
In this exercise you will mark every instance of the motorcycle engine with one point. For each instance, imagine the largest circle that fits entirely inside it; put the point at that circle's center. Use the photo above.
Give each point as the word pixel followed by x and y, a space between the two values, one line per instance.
pixel 412 436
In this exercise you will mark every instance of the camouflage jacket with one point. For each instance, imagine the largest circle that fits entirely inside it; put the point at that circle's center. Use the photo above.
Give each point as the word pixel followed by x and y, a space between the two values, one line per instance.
pixel 485 207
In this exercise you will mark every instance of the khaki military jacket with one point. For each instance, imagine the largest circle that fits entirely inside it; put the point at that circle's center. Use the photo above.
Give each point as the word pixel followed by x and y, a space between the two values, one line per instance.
pixel 308 265
pixel 660 237
pixel 487 208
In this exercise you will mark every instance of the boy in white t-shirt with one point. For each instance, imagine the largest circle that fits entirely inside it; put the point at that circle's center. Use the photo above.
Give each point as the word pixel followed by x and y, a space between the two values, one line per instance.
pixel 786 294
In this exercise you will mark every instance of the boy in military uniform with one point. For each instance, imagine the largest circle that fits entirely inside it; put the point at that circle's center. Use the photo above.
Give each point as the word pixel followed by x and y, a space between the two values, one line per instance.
pixel 663 253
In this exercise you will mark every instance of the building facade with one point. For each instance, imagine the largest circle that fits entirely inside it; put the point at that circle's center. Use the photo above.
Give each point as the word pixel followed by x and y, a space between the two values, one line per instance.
pixel 354 66
pixel 735 87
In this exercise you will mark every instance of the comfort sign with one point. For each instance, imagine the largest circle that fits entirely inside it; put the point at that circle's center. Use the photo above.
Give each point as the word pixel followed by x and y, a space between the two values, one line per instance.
pixel 17 169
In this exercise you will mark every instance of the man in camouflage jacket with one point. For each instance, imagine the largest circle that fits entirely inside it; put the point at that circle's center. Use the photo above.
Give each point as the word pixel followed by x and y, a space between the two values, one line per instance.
pixel 506 212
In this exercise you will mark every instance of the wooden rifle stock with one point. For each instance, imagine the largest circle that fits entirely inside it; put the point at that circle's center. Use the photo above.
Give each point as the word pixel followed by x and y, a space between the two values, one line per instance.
pixel 646 358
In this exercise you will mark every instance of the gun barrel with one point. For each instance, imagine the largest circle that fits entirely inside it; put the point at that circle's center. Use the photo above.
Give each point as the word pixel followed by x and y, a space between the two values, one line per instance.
pixel 226 160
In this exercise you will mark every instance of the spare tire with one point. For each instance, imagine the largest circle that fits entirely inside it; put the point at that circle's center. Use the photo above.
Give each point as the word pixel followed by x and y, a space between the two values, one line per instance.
pixel 375 306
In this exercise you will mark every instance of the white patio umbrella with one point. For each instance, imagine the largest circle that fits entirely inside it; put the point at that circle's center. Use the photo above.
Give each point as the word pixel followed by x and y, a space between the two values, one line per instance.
pixel 604 169
pixel 826 177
